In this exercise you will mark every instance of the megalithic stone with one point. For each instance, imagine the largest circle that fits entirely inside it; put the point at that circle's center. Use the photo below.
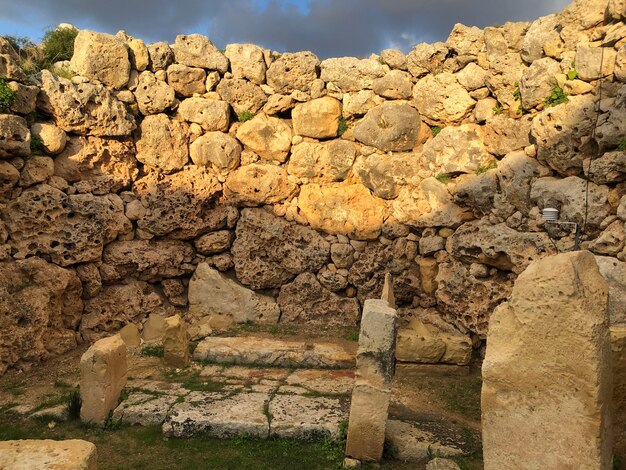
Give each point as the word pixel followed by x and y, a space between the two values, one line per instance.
pixel 618 348
pixel 176 342
pixel 547 379
pixel 388 291
pixel 375 368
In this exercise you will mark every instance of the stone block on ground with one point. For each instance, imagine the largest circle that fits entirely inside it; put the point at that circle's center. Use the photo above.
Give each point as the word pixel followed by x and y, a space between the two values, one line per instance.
pixel 153 330
pixel 307 418
pixel 103 371
pixel 618 348
pixel 176 342
pixel 31 454
pixel 144 409
pixel 411 442
pixel 547 374
pixel 425 343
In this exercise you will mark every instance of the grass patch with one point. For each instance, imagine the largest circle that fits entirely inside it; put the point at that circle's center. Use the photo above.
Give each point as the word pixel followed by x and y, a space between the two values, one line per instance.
pixel 498 109
pixel 485 168
pixel 153 351
pixel 443 178
pixel 74 403
pixel 435 130
pixel 622 145
pixel 556 97
pixel 245 116
pixel 343 126
pixel 352 335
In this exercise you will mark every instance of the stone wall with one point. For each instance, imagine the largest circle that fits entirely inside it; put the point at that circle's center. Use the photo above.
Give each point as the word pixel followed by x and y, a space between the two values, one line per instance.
pixel 297 183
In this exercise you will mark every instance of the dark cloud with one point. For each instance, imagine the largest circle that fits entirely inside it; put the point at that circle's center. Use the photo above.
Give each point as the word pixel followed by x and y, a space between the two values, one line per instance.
pixel 327 27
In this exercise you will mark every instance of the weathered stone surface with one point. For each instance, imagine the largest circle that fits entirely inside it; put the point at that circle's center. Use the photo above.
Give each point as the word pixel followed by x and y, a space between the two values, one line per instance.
pixel 287 250
pixel 53 139
pixel 214 242
pixel 305 301
pixel 147 260
pixel 176 342
pixel 465 40
pixel 439 463
pixel 70 229
pixel 503 135
pixel 42 309
pixel 498 246
pixel 321 163
pixel 14 136
pixel 428 205
pixel 97 165
pixel 386 174
pixel 389 127
pixel 426 58
pixel 348 210
pixel 456 150
pixel 163 143
pixel 247 61
pixel 467 301
pixel 10 62
pixel 257 184
pixel 472 77
pixel 375 360
pixel 270 137
pixel 33 454
pixel 212 115
pixel 411 443
pixel 609 168
pixel 242 95
pixel 216 150
pixel 395 85
pixel 317 118
pixel 36 170
pixel 569 195
pixel 85 109
pixel 161 55
pixel 368 417
pixel 101 57
pixel 614 273
pixel 293 71
pixel 394 58
pixel 611 241
pixel 116 306
pixel 563 132
pixel 178 204
pixel 196 50
pixel 538 81
pixel 25 98
pixel 144 409
pixel 153 96
pixel 594 62
pixel 359 103
pixel 441 100
pixel 137 51
pixel 556 315
pixel 213 294
pixel 277 103
pixel 102 377
pixel 539 33
pixel 268 351
pixel 350 73
pixel 9 177
pixel 186 80
pixel 426 343
pixel 505 72
pixel 306 418
pixel 153 329
pixel 612 129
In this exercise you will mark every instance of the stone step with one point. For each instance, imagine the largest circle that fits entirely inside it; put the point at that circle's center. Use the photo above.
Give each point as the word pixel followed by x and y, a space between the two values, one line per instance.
pixel 276 352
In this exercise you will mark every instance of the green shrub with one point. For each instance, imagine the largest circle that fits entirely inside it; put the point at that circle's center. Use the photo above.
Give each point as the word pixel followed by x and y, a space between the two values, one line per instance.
pixel 74 402
pixel 622 145
pixel 245 116
pixel 36 145
pixel 153 351
pixel 436 130
pixel 7 95
pixel 557 96
pixel 58 44
pixel 343 126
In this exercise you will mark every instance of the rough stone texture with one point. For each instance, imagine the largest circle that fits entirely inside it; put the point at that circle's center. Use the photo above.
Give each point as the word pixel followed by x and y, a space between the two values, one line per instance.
pixel 607 169
pixel 14 136
pixel 101 57
pixel 317 118
pixel 503 135
pixel 321 163
pixel 386 174
pixel 212 115
pixel 97 165
pixel 143 409
pixel 153 96
pixel 441 100
pixel 594 62
pixel 472 77
pixel 53 139
pixel 270 137
pixel 537 82
pixel 213 294
pixel 47 454
pixel 176 343
pixel 395 85
pixel 186 80
pixel 9 176
pixel 426 343
pixel 618 353
pixel 348 210
pixel 411 443
pixel 306 418
pixel 611 130
pixel 287 250
pixel 394 58
pixel 442 464
pixel 10 62
pixel 102 377
pixel 515 174
pixel 350 73
pixel 42 310
pixel 161 55
pixel 216 150
pixel 178 204
pixel 242 95
pixel 72 229
pixel 195 50
pixel 36 170
pixel 538 34
pixel 426 58
pixel 293 71
pixel 389 127
pixel 163 143
pixel 305 301
pixel 359 103
pixel 614 273
pixel 505 70
pixel 85 109
pixel 247 61
pixel 557 315
pixel 25 98
pixel 214 242
pixel 256 184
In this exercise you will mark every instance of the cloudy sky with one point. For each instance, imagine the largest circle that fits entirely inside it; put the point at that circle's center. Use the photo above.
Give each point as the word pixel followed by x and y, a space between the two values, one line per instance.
pixel 327 27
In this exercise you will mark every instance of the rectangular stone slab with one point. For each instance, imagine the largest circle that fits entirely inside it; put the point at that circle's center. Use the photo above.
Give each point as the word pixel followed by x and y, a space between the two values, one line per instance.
pixel 30 454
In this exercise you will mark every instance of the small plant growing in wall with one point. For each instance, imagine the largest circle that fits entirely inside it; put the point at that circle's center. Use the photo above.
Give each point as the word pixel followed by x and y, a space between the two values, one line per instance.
pixel 36 145
pixel 557 96
pixel 435 130
pixel 7 95
pixel 622 145
pixel 245 116
pixel 343 126
pixel 485 168
pixel 497 109
pixel 572 74
pixel 58 44
pixel 517 94
pixel 443 178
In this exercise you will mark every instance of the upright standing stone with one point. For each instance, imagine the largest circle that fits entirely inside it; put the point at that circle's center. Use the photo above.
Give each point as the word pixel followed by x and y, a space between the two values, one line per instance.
pixel 375 365
pixel 176 342
pixel 387 294
pixel 618 348
pixel 547 372
pixel 102 377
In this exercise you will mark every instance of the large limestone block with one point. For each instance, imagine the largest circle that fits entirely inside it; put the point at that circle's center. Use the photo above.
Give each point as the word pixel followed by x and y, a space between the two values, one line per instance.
pixel 213 294
pixel 216 150
pixel 88 109
pixel 270 137
pixel 317 118
pixel 293 71
pixel 539 33
pixel 195 50
pixel 340 209
pixel 53 139
pixel 359 103
pixel 36 170
pixel 176 342
pixel 538 81
pixel 611 132
pixel 594 62
pixel 505 72
pixel 441 100
pixel 426 343
pixel 102 377
pixel 389 127
pixel 30 454
pixel 547 372
pixel 426 58
pixel 270 251
pixel 42 308
pixel 212 115
pixel 386 174
pixel 14 136
pixel 618 350
pixel 163 143
pixel 10 62
pixel 247 61
pixel 161 55
pixel 242 95
pixel 258 184
pixel 395 85
pixel 153 96
pixel 614 273
pixel 101 57
pixel 609 168
pixel 186 80
pixel 321 163
pixel 503 135
pixel 25 98
pixel 350 73
pixel 9 176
